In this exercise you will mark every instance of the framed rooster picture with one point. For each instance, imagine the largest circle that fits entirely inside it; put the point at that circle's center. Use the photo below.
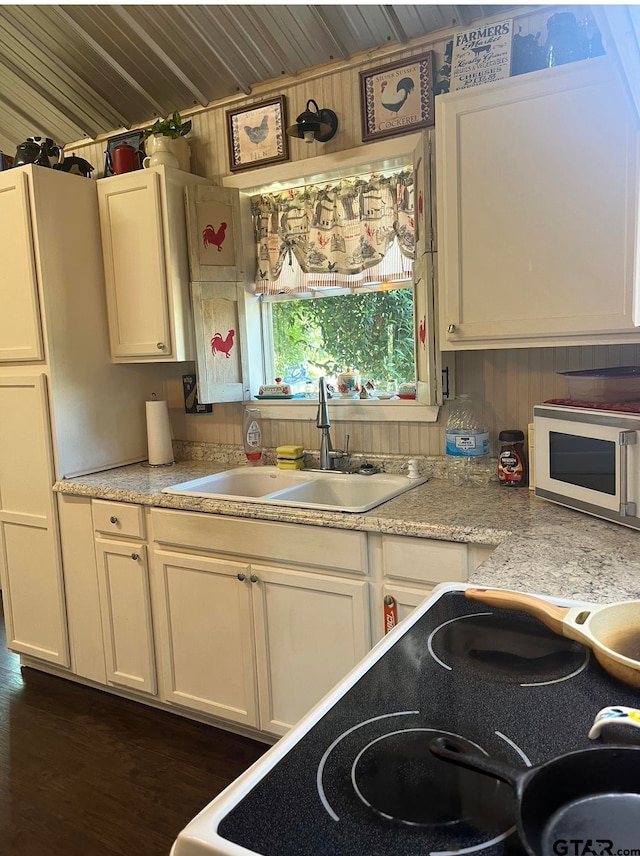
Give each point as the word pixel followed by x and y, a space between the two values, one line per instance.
pixel 397 98
pixel 256 134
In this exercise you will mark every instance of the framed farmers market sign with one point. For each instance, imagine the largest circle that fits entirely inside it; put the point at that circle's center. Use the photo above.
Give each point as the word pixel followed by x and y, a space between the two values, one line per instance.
pixel 481 54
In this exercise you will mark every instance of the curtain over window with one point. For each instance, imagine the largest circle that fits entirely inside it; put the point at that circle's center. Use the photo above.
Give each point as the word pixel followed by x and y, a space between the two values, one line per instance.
pixel 338 231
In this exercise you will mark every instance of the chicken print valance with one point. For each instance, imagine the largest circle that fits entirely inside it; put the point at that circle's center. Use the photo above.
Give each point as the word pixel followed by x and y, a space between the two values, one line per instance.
pixel 340 229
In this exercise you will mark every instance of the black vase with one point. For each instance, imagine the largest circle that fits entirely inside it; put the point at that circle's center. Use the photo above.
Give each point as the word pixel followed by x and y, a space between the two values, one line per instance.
pixel 564 41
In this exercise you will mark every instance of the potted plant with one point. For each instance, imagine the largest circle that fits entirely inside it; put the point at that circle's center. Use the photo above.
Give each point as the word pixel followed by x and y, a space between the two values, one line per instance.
pixel 174 131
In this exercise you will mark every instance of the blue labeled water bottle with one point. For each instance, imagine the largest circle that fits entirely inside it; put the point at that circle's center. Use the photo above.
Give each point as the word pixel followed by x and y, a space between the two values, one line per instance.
pixel 466 443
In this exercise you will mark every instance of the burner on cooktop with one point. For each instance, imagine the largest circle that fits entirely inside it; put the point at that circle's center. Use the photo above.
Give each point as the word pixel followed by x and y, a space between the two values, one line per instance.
pixel 397 776
pixel 512 648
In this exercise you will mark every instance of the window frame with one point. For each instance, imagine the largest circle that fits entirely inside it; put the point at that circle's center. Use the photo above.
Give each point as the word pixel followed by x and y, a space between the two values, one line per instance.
pixel 390 154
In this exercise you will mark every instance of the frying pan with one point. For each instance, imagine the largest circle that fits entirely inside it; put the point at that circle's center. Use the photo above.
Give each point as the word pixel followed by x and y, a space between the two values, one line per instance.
pixel 612 631
pixel 589 797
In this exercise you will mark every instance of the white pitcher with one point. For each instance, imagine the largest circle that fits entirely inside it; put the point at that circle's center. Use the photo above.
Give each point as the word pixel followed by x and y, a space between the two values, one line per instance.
pixel 162 154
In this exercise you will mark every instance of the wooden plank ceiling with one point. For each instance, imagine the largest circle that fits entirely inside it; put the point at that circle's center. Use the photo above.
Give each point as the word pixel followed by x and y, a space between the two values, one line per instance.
pixel 70 72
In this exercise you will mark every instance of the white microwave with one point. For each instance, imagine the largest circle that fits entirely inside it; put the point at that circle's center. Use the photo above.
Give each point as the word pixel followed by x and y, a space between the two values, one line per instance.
pixel 588 460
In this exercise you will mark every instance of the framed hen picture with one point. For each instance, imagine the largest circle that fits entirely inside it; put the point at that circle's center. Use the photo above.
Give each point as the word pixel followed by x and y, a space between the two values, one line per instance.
pixel 256 134
pixel 397 98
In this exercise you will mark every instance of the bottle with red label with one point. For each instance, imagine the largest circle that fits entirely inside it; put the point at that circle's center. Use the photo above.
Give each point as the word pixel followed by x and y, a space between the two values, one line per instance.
pixel 512 460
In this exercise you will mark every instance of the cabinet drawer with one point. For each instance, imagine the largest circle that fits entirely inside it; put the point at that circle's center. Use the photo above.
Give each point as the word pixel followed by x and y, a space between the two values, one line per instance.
pixel 118 518
pixel 311 546
pixel 424 560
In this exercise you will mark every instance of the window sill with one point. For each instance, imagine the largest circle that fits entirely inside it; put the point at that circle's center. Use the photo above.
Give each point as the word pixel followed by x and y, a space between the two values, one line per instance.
pixel 353 410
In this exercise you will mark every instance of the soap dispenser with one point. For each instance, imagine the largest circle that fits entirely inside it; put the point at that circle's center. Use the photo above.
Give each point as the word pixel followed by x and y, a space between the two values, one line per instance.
pixel 252 436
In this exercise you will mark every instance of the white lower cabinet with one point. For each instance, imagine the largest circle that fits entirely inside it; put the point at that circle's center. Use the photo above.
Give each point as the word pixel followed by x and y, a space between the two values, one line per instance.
pixel 30 566
pixel 254 644
pixel 204 637
pixel 123 581
pixel 248 622
pixel 310 630
pixel 411 567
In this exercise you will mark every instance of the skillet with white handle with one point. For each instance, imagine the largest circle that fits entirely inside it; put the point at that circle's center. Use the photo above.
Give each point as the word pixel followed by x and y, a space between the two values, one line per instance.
pixel 612 631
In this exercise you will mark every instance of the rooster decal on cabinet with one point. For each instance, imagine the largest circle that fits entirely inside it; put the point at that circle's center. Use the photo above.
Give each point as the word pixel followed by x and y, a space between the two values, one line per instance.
pixel 214 237
pixel 222 346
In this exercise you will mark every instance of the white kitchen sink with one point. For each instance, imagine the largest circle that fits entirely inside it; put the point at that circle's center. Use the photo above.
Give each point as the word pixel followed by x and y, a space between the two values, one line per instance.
pixel 244 483
pixel 330 491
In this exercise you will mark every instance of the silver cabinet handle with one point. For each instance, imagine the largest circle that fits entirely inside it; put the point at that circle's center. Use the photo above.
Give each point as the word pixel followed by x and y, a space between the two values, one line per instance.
pixel 451 328
pixel 241 577
pixel 253 578
pixel 135 557
pixel 160 346
pixel 113 520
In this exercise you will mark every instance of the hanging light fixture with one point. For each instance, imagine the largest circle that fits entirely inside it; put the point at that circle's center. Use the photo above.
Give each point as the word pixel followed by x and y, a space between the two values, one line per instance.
pixel 320 125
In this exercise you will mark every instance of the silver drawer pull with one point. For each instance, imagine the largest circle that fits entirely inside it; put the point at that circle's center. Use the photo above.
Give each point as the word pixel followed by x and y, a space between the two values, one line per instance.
pixel 113 520
pixel 241 577
pixel 160 346
pixel 253 578
pixel 135 556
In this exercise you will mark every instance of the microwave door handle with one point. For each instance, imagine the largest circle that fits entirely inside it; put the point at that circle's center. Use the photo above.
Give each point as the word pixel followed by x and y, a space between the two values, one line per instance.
pixel 626 439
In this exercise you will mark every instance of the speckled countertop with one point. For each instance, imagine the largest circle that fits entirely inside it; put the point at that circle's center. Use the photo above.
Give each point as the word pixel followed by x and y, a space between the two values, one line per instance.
pixel 542 547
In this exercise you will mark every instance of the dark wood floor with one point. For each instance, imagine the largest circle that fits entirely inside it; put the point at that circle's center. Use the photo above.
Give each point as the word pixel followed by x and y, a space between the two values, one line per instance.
pixel 83 773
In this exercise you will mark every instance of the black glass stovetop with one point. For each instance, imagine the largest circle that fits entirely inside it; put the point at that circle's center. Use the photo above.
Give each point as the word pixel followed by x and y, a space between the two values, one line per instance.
pixel 363 780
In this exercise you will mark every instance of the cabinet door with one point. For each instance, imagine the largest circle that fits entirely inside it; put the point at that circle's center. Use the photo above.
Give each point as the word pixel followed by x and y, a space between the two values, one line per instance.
pixel 20 331
pixel 205 636
pixel 131 221
pixel 221 360
pixel 125 605
pixel 215 235
pixel 30 567
pixel 537 190
pixel 424 195
pixel 311 629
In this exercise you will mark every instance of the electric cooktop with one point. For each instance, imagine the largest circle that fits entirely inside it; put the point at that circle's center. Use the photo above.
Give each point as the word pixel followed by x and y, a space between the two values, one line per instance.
pixel 357 776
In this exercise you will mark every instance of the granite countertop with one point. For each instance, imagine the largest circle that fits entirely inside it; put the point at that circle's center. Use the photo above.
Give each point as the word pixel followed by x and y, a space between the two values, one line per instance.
pixel 541 547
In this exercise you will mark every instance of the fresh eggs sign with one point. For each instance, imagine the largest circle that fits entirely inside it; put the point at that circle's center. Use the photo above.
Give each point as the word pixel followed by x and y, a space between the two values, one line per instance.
pixel 481 55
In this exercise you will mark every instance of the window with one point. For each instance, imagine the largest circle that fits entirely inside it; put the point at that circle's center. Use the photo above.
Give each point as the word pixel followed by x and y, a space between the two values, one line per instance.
pixel 326 331
pixel 335 266
pixel 274 292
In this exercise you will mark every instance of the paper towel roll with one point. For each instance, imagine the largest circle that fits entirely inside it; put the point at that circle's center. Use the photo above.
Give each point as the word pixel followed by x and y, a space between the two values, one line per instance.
pixel 159 433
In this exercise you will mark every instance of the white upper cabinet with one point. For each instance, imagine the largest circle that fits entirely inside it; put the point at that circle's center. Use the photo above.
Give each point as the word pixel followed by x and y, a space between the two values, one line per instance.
pixel 144 245
pixel 424 202
pixel 215 229
pixel 20 331
pixel 620 28
pixel 537 190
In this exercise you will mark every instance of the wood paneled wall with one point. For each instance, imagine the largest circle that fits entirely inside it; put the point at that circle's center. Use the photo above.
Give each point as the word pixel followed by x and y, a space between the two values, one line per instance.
pixel 334 85
pixel 507 383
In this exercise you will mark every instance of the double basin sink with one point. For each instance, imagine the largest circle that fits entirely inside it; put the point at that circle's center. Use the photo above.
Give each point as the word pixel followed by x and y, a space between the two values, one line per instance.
pixel 322 490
